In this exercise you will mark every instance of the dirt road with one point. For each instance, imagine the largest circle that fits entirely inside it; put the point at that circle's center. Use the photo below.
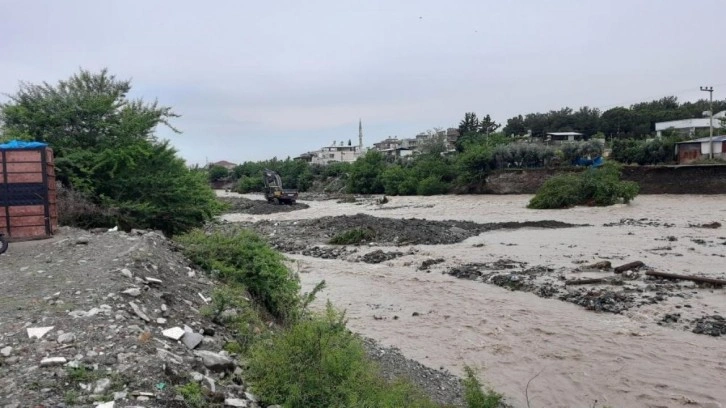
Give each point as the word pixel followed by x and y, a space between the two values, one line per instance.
pixel 633 358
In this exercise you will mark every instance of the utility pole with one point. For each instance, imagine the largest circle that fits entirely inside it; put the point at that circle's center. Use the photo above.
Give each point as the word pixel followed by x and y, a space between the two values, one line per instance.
pixel 709 89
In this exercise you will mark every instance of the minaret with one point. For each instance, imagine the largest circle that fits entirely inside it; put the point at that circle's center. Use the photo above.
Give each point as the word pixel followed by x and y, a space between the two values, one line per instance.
pixel 360 135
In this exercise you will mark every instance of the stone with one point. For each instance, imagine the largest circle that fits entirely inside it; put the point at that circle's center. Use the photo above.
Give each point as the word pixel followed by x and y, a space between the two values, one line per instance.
pixel 38 332
pixel 188 329
pixel 6 351
pixel 101 386
pixel 250 397
pixel 94 311
pixel 215 361
pixel 120 395
pixel 82 241
pixel 66 338
pixel 197 376
pixel 235 402
pixel 153 280
pixel 133 292
pixel 174 333
pixel 161 320
pixel 51 361
pixel 108 404
pixel 168 356
pixel 127 273
pixel 192 340
pixel 138 312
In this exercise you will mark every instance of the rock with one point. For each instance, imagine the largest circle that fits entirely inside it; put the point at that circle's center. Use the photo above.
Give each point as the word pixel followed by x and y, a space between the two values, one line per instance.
pixel 138 312
pixel 109 404
pixel 51 361
pixel 174 333
pixel 127 273
pixel 161 320
pixel 77 313
pixel 235 402
pixel 197 376
pixel 82 241
pixel 38 332
pixel 251 397
pixel 66 338
pixel 6 351
pixel 94 311
pixel 120 395
pixel 133 292
pixel 215 361
pixel 101 386
pixel 192 340
pixel 168 356
pixel 150 280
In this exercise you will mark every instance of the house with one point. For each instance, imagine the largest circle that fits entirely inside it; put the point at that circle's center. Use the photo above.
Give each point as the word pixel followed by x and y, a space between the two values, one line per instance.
pixel 559 137
pixel 337 151
pixel 696 149
pixel 689 126
pixel 452 135
pixel 387 144
pixel 224 163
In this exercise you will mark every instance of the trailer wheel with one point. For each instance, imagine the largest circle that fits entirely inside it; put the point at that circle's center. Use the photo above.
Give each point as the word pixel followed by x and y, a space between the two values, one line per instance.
pixel 3 244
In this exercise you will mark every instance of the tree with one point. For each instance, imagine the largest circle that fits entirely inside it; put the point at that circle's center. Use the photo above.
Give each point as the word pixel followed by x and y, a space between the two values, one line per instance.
pixel 515 126
pixel 487 125
pixel 217 173
pixel 106 148
pixel 469 124
pixel 617 121
pixel 365 174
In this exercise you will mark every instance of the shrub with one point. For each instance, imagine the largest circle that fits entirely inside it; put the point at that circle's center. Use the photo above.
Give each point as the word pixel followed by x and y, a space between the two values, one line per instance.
pixel 353 236
pixel 75 209
pixel 192 394
pixel 319 363
pixel 473 394
pixel 595 186
pixel 432 186
pixel 243 258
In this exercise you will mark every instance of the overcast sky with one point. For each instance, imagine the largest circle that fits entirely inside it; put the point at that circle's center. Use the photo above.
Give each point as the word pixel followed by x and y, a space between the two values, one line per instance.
pixel 255 79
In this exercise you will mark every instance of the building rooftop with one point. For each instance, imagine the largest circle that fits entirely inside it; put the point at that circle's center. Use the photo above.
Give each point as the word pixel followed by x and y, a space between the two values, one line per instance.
pixel 719 138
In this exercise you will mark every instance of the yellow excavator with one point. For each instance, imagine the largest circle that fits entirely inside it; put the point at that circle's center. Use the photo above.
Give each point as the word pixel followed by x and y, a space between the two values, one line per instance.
pixel 274 193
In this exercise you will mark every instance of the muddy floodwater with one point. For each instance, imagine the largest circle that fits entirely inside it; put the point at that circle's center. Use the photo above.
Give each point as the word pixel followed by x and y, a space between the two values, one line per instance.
pixel 641 351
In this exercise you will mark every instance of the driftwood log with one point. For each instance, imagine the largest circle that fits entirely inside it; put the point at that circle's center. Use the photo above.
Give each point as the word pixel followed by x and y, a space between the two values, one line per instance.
pixel 587 281
pixel 699 279
pixel 628 266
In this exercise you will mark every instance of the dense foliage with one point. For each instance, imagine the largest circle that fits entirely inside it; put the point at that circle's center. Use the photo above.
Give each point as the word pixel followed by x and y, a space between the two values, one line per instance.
pixel 636 121
pixel 595 186
pixel 294 174
pixel 105 149
pixel 243 258
pixel 656 151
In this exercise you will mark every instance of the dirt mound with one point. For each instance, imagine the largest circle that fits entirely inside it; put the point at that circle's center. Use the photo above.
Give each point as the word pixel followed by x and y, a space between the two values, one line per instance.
pixel 294 236
pixel 247 206
pixel 104 317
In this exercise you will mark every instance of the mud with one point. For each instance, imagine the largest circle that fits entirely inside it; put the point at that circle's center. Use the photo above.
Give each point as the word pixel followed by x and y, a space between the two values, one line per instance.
pixel 241 205
pixel 507 310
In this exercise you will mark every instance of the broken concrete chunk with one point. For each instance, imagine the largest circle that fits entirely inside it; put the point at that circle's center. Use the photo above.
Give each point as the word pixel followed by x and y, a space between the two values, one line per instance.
pixel 175 333
pixel 109 404
pixel 127 273
pixel 138 312
pixel 66 338
pixel 6 351
pixel 133 292
pixel 101 386
pixel 168 356
pixel 235 402
pixel 161 320
pixel 51 361
pixel 153 280
pixel 192 340
pixel 215 361
pixel 38 332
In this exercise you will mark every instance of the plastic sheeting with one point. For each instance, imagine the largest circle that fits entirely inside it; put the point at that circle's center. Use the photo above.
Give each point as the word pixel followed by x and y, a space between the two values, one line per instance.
pixel 20 144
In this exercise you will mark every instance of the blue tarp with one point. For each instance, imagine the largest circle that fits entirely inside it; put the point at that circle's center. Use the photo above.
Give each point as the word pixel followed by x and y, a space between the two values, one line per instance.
pixel 20 144
pixel 581 161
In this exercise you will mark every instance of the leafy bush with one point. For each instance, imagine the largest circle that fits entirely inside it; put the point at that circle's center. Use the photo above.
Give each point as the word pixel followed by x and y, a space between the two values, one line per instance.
pixel 656 151
pixel 319 363
pixel 353 236
pixel 473 394
pixel 365 174
pixel 571 151
pixel 192 394
pixel 75 209
pixel 243 258
pixel 432 186
pixel 522 155
pixel 216 173
pixel 600 187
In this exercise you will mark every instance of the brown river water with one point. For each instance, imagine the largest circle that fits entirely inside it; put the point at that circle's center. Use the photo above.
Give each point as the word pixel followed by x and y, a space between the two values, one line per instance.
pixel 572 356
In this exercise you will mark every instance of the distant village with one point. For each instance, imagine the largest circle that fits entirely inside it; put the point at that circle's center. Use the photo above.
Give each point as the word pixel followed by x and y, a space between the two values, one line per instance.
pixel 346 151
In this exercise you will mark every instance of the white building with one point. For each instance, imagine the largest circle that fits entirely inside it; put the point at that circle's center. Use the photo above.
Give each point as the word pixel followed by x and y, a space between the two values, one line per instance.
pixel 337 151
pixel 690 125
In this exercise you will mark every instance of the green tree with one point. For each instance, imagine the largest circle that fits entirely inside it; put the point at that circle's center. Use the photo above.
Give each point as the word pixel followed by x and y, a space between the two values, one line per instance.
pixel 469 124
pixel 217 173
pixel 365 174
pixel 487 125
pixel 515 126
pixel 105 147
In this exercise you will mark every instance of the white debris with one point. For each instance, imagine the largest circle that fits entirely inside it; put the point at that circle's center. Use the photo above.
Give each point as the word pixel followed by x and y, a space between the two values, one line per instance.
pixel 174 333
pixel 38 332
